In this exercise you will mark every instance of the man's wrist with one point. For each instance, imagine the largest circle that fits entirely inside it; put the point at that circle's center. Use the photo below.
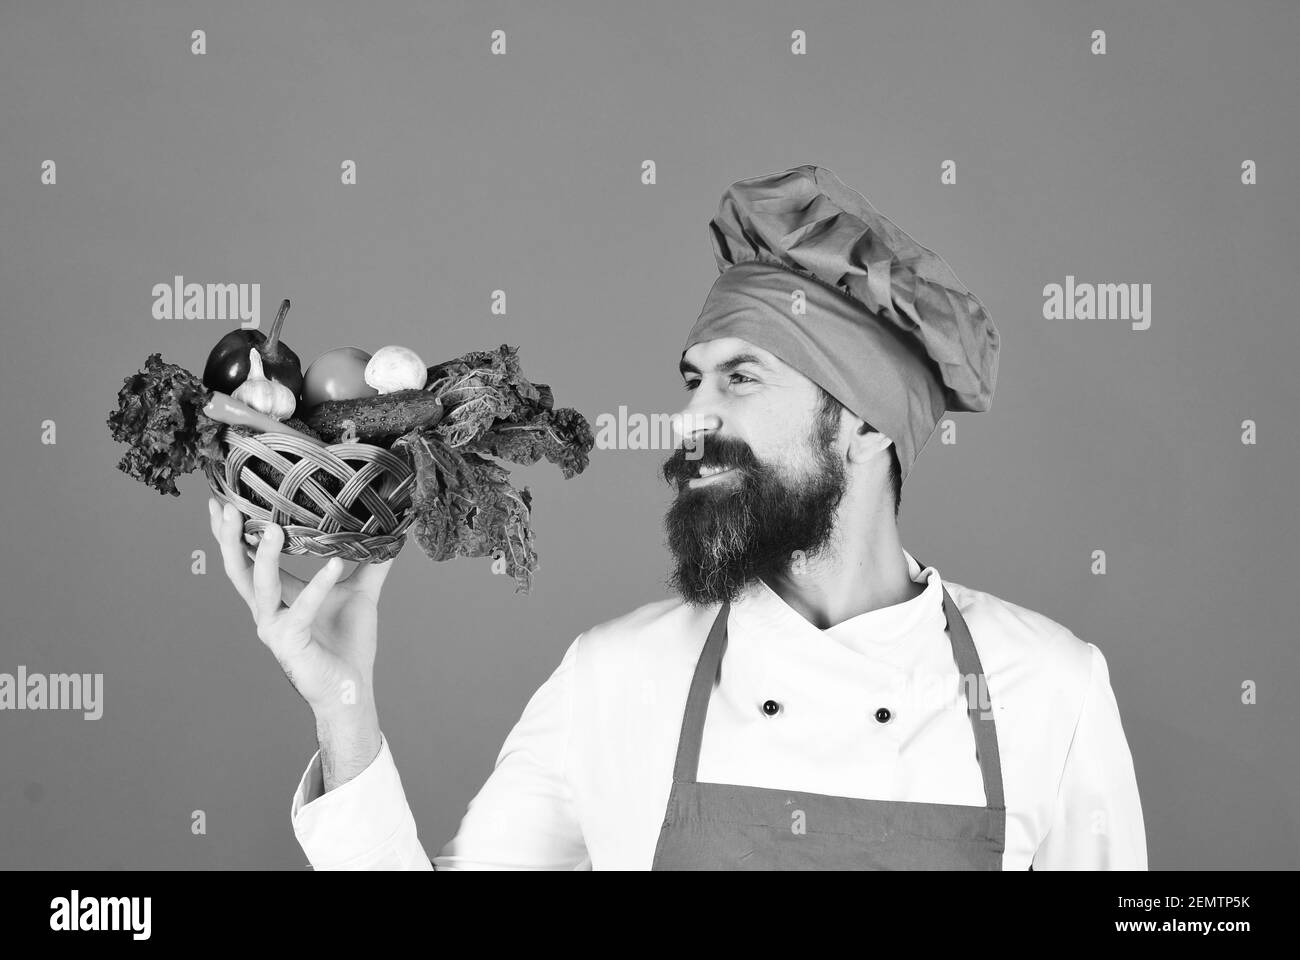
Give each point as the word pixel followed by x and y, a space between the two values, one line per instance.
pixel 349 743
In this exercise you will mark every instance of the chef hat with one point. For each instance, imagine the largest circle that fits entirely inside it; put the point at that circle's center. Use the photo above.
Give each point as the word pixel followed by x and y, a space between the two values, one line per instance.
pixel 888 330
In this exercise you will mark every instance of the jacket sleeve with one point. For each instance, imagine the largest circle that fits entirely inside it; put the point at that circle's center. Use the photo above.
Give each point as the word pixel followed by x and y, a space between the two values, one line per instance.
pixel 364 824
pixel 1097 824
pixel 523 817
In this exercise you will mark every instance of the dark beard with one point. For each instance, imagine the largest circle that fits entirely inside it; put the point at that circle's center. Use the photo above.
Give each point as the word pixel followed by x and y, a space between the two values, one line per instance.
pixel 726 535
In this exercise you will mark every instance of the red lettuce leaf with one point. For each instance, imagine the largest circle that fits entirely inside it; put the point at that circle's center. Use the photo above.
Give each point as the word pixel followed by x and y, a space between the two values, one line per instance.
pixel 160 416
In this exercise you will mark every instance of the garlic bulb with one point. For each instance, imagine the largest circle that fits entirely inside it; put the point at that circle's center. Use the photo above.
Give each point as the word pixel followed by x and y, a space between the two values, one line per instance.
pixel 265 396
pixel 396 368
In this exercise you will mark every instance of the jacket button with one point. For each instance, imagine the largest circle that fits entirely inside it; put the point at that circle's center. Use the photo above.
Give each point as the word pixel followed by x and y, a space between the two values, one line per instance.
pixel 883 715
pixel 771 708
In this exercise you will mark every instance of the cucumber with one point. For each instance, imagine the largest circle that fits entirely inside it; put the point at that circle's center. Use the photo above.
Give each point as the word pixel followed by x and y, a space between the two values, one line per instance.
pixel 379 420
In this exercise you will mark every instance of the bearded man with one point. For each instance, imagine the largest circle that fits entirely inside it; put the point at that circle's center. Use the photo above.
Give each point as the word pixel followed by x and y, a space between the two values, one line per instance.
pixel 814 697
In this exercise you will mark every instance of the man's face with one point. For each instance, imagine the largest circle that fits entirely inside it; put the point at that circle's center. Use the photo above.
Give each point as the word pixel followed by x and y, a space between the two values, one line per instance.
pixel 763 479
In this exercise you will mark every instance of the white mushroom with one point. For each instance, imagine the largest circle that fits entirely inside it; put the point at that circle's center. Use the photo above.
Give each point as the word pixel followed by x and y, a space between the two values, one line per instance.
pixel 396 368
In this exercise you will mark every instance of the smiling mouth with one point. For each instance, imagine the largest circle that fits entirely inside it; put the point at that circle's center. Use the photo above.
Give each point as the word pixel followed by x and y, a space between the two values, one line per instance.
pixel 709 475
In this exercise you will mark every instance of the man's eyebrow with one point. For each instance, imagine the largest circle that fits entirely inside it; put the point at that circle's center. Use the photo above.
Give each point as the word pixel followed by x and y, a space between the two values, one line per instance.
pixel 727 365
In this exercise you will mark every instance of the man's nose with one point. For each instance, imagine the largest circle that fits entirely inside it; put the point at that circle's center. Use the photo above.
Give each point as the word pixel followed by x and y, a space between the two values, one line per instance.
pixel 691 427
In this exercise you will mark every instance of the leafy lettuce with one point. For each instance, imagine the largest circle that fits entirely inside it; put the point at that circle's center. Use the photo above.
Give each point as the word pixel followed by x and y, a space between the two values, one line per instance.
pixel 464 502
pixel 160 416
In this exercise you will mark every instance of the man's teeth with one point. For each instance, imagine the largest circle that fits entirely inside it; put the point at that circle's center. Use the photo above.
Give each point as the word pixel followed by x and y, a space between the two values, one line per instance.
pixel 710 471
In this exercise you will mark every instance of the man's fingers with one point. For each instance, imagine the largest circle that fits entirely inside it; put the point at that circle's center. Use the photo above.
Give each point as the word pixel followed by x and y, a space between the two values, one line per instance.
pixel 304 609
pixel 266 574
pixel 214 518
pixel 266 588
pixel 229 530
pixel 370 577
pixel 290 585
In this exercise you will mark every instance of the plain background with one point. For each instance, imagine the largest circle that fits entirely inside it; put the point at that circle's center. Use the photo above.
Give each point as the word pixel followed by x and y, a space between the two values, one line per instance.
pixel 522 172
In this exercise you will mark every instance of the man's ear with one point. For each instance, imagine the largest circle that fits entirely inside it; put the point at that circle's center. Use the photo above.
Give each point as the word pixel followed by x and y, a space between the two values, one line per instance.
pixel 864 443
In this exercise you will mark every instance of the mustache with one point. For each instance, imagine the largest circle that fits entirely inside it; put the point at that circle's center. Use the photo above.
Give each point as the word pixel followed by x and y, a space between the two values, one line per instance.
pixel 718 452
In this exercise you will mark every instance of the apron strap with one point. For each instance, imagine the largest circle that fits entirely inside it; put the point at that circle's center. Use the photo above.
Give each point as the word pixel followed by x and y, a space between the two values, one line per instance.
pixel 981 713
pixel 697 700
pixel 687 764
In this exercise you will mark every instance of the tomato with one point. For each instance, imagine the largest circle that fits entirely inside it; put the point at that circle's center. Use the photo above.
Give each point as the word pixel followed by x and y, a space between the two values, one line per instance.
pixel 338 374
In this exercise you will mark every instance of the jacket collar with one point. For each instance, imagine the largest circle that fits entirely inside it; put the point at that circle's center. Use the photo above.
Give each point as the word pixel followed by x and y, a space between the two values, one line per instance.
pixel 761 608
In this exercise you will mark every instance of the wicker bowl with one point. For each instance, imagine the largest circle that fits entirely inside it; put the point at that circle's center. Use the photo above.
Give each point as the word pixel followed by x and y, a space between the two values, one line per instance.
pixel 366 520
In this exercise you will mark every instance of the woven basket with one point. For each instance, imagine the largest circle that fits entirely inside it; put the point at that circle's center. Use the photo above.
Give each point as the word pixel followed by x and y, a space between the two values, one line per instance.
pixel 365 521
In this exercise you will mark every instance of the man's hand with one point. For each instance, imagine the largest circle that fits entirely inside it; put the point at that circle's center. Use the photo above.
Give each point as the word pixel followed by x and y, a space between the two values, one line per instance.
pixel 325 638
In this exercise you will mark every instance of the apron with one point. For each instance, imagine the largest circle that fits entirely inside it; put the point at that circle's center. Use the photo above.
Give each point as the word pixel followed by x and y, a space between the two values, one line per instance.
pixel 727 826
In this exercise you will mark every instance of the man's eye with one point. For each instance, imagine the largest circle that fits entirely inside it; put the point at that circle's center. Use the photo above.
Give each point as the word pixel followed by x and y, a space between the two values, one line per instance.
pixel 736 378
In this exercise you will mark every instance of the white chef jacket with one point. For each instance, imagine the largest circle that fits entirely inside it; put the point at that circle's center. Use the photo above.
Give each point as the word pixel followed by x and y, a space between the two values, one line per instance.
pixel 582 780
